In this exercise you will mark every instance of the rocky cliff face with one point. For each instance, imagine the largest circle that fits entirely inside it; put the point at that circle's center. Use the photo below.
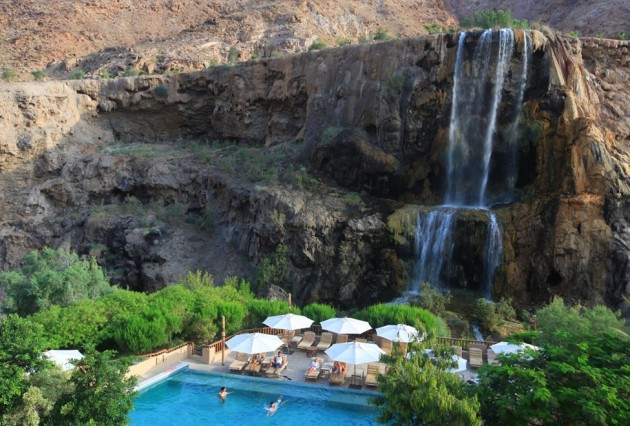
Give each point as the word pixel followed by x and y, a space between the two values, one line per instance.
pixel 326 152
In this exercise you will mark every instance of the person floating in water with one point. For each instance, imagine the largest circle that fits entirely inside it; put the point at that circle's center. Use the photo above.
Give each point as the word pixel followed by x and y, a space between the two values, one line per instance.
pixel 223 393
pixel 273 407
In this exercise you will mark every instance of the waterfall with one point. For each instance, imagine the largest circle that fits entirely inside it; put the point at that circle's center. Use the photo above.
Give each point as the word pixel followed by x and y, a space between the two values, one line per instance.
pixel 434 245
pixel 492 255
pixel 472 131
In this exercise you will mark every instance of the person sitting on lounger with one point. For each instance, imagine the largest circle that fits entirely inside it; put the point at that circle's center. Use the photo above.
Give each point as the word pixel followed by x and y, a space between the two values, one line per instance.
pixel 256 361
pixel 277 361
pixel 338 368
pixel 313 366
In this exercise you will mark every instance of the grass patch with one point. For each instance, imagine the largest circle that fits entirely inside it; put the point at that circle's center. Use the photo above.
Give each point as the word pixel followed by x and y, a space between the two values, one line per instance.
pixel 317 45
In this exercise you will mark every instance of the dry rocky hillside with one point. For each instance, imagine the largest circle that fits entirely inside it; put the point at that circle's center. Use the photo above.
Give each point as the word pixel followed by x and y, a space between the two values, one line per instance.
pixel 125 37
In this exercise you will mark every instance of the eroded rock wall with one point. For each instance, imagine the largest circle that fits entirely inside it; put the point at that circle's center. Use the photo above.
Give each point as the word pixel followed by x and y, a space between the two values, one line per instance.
pixel 370 118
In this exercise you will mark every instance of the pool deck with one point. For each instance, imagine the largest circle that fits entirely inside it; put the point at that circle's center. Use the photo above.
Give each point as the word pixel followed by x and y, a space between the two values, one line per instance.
pixel 297 364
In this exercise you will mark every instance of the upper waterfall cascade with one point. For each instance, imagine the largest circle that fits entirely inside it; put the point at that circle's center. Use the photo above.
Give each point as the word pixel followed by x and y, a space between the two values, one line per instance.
pixel 478 87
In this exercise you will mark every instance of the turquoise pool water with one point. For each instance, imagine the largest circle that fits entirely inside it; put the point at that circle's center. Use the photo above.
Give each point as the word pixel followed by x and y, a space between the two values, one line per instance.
pixel 190 398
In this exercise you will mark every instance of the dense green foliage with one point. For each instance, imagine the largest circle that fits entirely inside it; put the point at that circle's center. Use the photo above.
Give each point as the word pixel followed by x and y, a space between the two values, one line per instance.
pixel 494 19
pixel 419 391
pixel 52 277
pixel 432 299
pixel 104 401
pixel 380 315
pixel 581 376
pixel 21 347
pixel 273 270
pixel 319 312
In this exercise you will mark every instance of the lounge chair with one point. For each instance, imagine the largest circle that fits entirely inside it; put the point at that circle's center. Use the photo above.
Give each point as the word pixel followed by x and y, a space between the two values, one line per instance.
pixel 386 346
pixel 492 357
pixel 275 371
pixel 475 357
pixel 307 341
pixel 373 371
pixel 239 363
pixel 255 365
pixel 337 379
pixel 325 341
pixel 341 338
pixel 314 375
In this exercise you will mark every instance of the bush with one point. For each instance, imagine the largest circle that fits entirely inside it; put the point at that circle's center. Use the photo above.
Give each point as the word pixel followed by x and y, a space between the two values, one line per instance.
pixel 343 42
pixel 161 91
pixel 9 75
pixel 381 35
pixel 623 36
pixel 77 75
pixel 259 309
pixel 318 312
pixel 363 39
pixel 106 75
pixel 317 45
pixel 52 277
pixel 273 270
pixel 233 55
pixel 255 56
pixel 498 19
pixel 39 75
pixel 432 28
pixel 574 34
pixel 394 85
pixel 432 300
pixel 380 315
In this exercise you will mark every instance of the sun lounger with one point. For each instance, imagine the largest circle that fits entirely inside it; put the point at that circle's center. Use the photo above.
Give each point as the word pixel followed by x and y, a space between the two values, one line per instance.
pixel 386 346
pixel 307 341
pixel 239 363
pixel 358 340
pixel 475 357
pixel 342 338
pixel 275 371
pixel 314 375
pixel 337 379
pixel 325 341
pixel 373 371
pixel 255 365
pixel 492 357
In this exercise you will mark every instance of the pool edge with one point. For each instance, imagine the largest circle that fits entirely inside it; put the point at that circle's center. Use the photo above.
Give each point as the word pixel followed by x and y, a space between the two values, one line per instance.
pixel 182 366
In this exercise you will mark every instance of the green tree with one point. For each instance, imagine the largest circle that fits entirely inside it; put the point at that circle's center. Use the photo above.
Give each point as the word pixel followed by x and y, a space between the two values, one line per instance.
pixel 52 277
pixel 419 391
pixel 21 347
pixel 432 300
pixel 102 394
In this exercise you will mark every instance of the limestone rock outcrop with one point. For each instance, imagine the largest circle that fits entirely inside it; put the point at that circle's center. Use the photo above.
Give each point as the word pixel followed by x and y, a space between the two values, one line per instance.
pixel 125 169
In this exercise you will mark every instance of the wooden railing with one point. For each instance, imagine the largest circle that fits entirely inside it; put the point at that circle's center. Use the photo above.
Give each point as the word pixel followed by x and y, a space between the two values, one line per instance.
pixel 463 343
pixel 218 346
pixel 167 351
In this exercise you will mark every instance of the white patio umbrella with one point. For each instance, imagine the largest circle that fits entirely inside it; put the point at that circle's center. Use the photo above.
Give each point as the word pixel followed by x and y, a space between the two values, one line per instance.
pixel 398 333
pixel 346 325
pixel 510 348
pixel 288 322
pixel 253 343
pixel 355 353
pixel 63 357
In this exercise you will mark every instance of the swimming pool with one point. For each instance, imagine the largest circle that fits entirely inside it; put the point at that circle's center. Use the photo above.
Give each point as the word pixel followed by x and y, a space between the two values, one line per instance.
pixel 190 398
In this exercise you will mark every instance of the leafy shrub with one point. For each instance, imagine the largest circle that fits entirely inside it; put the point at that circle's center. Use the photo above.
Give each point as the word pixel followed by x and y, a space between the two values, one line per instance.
pixel 273 270
pixel 466 23
pixel 77 75
pixel 161 91
pixel 574 34
pixel 381 35
pixel 52 277
pixel 317 45
pixel 256 56
pixel 343 42
pixel 132 72
pixel 9 74
pixel 106 75
pixel 623 36
pixel 319 312
pixel 380 315
pixel 39 75
pixel 394 85
pixel 432 28
pixel 491 315
pixel 206 220
pixel 498 19
pixel 363 39
pixel 233 55
pixel 432 300
pixel 197 279
pixel 259 309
